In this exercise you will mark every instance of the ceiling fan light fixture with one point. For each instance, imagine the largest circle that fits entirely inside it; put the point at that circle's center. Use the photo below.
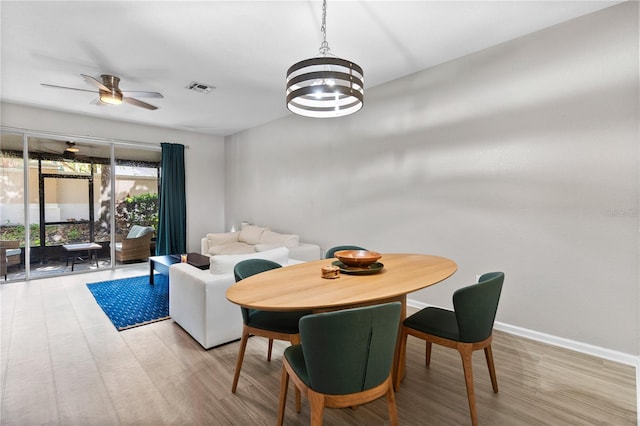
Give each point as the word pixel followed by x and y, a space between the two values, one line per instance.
pixel 111 98
pixel 325 86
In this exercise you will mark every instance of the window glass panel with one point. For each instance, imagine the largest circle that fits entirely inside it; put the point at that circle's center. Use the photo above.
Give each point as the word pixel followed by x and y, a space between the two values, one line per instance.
pixel 12 229
pixel 136 192
pixel 69 190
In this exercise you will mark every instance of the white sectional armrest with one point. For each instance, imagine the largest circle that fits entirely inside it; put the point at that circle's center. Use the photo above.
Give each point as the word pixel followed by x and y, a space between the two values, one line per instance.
pixel 204 246
pixel 305 251
pixel 198 303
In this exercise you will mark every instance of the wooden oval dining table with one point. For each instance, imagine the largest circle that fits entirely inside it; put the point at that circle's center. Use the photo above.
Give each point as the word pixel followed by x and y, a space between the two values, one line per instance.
pixel 301 287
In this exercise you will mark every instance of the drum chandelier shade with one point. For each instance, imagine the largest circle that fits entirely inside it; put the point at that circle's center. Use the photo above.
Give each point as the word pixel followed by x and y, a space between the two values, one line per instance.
pixel 325 86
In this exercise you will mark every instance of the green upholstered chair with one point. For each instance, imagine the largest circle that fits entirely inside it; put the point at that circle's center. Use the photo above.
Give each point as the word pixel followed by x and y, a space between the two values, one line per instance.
pixel 272 325
pixel 330 253
pixel 345 359
pixel 469 327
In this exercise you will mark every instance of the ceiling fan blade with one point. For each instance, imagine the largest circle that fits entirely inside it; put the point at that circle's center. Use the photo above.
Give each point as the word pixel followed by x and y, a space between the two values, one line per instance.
pixel 139 103
pixel 142 94
pixel 95 82
pixel 65 87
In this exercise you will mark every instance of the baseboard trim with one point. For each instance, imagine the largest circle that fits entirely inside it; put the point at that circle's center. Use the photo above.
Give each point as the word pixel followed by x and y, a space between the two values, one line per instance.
pixel 585 348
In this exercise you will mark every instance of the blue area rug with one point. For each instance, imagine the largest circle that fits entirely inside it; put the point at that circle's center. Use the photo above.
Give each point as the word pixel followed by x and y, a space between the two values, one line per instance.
pixel 132 302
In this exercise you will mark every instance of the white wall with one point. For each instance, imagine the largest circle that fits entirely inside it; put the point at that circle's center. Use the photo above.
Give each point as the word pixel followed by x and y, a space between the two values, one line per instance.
pixel 522 158
pixel 204 160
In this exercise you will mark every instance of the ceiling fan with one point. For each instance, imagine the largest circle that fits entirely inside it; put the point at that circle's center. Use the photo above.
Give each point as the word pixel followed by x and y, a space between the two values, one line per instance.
pixel 110 94
pixel 70 151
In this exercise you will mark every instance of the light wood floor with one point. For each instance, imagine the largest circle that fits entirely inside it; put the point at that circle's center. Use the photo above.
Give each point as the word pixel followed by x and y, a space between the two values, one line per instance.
pixel 62 362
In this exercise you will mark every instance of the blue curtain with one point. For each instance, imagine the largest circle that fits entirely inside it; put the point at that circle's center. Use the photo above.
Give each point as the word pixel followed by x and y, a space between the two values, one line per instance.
pixel 172 217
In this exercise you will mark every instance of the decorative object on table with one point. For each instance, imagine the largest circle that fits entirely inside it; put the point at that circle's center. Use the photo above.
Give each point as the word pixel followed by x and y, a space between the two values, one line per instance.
pixel 269 324
pixel 374 268
pixel 325 86
pixel 357 258
pixel 331 252
pixel 330 272
pixel 345 360
pixel 132 302
pixel 468 328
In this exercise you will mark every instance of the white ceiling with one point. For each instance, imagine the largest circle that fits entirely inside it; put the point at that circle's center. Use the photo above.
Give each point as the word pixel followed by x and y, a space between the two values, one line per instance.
pixel 243 48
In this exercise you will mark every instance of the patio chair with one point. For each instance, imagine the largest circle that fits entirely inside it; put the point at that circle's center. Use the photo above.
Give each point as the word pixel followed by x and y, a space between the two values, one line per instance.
pixel 137 245
pixel 9 255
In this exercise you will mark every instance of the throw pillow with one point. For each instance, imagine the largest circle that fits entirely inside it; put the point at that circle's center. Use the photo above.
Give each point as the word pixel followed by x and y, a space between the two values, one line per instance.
pixel 286 240
pixel 137 231
pixel 265 247
pixel 251 234
pixel 232 248
pixel 224 263
pixel 222 238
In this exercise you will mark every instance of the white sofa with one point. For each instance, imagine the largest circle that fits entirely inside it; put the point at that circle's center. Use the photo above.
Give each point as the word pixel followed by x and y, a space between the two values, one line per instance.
pixel 198 302
pixel 251 239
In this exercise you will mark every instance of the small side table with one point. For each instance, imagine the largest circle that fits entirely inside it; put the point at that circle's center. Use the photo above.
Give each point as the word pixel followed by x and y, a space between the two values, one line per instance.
pixel 90 248
pixel 162 263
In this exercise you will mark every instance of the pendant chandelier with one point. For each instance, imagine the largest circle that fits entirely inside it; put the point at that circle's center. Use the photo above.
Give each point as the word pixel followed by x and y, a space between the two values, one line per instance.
pixel 325 86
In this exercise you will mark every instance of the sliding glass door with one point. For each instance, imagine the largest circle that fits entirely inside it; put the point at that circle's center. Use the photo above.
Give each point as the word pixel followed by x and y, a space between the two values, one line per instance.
pixel 63 189
pixel 12 201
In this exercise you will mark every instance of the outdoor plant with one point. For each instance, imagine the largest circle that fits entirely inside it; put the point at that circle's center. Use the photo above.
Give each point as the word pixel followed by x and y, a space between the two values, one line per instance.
pixel 137 210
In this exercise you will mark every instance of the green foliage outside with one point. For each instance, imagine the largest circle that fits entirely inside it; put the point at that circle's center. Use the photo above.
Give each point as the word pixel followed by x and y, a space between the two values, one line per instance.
pixel 137 210
pixel 16 232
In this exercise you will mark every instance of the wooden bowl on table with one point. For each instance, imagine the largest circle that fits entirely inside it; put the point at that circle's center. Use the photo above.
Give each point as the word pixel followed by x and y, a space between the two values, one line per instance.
pixel 357 258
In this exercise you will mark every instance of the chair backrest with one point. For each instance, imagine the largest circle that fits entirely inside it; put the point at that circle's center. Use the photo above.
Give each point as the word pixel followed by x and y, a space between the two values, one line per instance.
pixel 10 244
pixel 350 350
pixel 331 252
pixel 247 268
pixel 476 306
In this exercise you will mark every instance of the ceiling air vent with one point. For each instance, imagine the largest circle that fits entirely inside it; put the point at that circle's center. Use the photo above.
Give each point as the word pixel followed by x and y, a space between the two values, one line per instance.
pixel 200 87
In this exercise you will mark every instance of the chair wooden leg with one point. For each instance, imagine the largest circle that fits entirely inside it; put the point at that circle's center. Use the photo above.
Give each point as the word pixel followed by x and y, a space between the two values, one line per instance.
pixel 316 407
pixel 466 352
pixel 284 385
pixel 402 353
pixel 269 350
pixel 488 354
pixel 243 346
pixel 295 340
pixel 427 353
pixel 391 403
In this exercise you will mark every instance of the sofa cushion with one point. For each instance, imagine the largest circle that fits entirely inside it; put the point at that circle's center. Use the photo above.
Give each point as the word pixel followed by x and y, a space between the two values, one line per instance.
pixel 286 240
pixel 222 238
pixel 224 263
pixel 265 247
pixel 251 234
pixel 13 252
pixel 232 248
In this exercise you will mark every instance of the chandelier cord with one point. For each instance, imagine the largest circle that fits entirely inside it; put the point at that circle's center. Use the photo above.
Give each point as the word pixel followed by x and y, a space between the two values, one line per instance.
pixel 324 47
